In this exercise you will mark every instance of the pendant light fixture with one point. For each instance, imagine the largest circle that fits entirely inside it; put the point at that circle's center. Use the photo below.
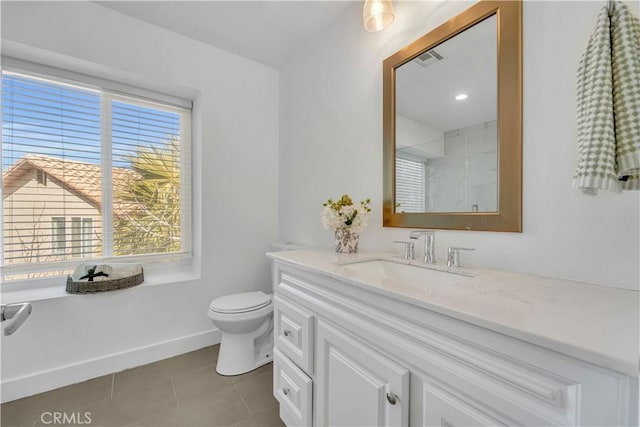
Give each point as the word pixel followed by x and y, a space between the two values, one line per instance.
pixel 377 14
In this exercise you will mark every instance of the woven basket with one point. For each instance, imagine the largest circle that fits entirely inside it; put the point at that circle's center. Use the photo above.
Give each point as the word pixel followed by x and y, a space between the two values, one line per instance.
pixel 122 276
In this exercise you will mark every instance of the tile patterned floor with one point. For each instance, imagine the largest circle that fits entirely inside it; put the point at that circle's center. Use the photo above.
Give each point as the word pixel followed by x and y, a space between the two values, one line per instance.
pixel 182 391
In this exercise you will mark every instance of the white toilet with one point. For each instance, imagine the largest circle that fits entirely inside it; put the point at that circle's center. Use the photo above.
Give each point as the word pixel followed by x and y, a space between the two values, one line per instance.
pixel 246 322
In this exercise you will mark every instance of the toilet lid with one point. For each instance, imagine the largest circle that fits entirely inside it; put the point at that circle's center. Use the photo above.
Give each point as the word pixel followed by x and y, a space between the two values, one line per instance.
pixel 239 303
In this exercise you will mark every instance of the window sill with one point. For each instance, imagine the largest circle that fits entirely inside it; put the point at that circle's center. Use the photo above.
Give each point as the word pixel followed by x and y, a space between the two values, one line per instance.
pixel 55 287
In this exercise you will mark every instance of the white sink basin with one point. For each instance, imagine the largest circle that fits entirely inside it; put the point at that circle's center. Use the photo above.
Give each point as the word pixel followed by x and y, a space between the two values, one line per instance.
pixel 404 273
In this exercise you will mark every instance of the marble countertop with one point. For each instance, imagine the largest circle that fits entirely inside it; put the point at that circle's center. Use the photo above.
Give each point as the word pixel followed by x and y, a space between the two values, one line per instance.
pixel 594 323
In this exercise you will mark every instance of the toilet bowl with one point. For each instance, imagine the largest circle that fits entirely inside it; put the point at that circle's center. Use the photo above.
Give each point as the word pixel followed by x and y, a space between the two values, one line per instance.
pixel 246 323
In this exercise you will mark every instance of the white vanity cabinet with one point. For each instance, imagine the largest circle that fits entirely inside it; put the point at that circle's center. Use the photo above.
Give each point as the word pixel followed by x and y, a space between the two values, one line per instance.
pixel 357 385
pixel 347 355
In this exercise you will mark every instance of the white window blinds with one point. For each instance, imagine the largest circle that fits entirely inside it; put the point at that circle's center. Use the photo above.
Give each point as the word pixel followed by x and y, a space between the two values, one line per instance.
pixel 87 173
pixel 410 185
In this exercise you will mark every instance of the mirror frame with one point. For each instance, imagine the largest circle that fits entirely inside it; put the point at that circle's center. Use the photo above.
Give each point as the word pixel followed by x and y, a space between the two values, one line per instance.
pixel 509 44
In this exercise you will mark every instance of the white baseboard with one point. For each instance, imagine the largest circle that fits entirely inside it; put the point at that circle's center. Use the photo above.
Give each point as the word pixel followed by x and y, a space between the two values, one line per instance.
pixel 27 385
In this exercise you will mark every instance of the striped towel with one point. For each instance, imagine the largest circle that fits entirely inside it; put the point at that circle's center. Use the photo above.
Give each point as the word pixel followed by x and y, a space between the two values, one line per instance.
pixel 625 54
pixel 609 104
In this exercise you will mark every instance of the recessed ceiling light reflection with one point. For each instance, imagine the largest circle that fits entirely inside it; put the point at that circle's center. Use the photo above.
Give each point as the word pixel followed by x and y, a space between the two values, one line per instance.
pixel 461 97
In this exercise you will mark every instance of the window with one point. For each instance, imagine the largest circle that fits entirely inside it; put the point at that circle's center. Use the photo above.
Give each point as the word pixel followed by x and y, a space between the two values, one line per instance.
pixel 41 177
pixel 90 147
pixel 410 185
pixel 58 236
pixel 81 237
pixel 76 236
pixel 86 237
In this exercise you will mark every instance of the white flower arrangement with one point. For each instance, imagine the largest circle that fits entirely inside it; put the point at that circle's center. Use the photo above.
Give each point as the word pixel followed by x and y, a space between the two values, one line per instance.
pixel 343 214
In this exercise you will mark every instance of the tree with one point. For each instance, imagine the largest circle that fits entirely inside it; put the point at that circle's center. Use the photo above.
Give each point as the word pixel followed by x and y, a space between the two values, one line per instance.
pixel 147 202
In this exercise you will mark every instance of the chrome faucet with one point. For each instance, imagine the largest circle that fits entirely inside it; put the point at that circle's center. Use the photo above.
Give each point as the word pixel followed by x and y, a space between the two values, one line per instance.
pixel 453 255
pixel 429 244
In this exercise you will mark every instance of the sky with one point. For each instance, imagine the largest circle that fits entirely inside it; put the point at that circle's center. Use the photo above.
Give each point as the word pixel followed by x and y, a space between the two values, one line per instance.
pixel 42 117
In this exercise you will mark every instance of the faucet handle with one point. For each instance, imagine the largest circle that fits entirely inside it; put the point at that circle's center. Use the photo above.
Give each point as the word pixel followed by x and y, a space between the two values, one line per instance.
pixel 453 255
pixel 409 251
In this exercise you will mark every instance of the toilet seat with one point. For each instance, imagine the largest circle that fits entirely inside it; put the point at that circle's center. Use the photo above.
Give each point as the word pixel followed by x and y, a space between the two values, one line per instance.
pixel 240 303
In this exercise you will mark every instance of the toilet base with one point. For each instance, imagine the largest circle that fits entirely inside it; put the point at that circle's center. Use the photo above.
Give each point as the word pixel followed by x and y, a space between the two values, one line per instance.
pixel 241 353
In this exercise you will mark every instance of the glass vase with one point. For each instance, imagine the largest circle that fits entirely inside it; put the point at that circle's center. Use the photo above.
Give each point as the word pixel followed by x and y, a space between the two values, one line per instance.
pixel 346 241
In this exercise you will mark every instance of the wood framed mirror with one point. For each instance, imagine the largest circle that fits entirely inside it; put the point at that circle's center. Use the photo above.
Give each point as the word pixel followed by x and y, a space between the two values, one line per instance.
pixel 452 124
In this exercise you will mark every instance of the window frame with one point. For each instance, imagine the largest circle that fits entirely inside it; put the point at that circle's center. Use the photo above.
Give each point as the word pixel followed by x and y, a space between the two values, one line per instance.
pixel 80 244
pixel 83 236
pixel 41 176
pixel 58 235
pixel 120 92
pixel 76 232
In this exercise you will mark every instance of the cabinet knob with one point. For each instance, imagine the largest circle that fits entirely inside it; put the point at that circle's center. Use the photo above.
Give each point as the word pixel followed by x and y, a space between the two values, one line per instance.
pixel 286 333
pixel 285 391
pixel 392 398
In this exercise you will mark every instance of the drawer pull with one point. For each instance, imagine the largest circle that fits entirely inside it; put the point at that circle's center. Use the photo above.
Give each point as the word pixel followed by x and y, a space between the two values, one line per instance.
pixel 287 332
pixel 392 398
pixel 285 391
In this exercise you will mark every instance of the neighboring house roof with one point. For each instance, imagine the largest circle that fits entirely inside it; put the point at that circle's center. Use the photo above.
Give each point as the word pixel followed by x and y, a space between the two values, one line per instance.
pixel 83 179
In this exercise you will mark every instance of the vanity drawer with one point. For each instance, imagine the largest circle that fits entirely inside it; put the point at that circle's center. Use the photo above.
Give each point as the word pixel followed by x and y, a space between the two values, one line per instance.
pixel 440 408
pixel 293 331
pixel 293 390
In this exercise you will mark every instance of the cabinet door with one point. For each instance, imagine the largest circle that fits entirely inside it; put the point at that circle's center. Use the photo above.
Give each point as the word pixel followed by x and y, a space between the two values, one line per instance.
pixel 356 385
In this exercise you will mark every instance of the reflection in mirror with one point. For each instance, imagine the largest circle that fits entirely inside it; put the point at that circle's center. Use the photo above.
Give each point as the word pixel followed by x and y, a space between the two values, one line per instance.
pixel 446 125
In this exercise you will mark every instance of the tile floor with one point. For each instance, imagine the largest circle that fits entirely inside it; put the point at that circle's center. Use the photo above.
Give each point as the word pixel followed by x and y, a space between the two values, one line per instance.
pixel 181 391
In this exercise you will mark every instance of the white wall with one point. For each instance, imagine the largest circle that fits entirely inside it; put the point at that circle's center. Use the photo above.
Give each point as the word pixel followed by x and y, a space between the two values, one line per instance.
pixel 331 143
pixel 418 138
pixel 236 121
